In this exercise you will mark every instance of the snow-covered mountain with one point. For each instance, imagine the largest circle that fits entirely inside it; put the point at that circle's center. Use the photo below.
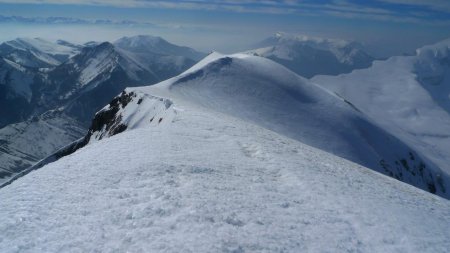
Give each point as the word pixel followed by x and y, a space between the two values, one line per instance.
pixel 37 52
pixel 310 56
pixel 90 79
pixel 213 160
pixel 85 79
pixel 408 96
pixel 152 45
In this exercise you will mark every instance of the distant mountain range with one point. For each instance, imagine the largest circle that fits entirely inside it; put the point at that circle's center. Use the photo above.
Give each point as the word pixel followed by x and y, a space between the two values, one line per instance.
pixel 310 56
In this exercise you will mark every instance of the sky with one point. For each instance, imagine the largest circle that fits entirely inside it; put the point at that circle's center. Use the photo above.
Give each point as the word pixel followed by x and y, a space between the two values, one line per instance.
pixel 385 27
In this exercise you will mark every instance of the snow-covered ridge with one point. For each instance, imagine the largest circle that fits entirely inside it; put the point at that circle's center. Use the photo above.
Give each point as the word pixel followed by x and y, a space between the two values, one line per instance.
pixel 264 93
pixel 128 111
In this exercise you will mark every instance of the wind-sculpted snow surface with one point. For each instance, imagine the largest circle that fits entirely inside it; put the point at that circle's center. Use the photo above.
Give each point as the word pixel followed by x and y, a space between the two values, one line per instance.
pixel 198 180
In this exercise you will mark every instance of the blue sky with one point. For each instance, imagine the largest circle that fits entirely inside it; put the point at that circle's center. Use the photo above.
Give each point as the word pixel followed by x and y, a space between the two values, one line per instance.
pixel 387 27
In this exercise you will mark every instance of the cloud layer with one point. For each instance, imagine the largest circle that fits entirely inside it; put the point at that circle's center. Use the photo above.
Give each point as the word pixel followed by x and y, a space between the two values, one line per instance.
pixel 412 11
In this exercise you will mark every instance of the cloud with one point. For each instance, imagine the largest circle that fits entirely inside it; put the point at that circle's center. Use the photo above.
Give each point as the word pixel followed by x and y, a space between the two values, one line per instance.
pixel 436 5
pixel 380 10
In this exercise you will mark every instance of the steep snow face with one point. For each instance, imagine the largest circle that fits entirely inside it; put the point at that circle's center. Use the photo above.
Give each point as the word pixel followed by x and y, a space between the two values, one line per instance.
pixel 409 96
pixel 94 62
pixel 309 56
pixel 265 93
pixel 37 53
pixel 202 181
pixel 46 133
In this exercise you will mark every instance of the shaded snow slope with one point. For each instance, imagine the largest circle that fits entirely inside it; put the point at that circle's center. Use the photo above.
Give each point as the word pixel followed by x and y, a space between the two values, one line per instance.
pixel 196 180
pixel 310 56
pixel 15 92
pixel 408 96
pixel 25 143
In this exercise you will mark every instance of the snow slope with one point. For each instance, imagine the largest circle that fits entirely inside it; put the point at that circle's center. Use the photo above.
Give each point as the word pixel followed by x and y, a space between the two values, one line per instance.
pixel 310 56
pixel 25 143
pixel 183 177
pixel 408 96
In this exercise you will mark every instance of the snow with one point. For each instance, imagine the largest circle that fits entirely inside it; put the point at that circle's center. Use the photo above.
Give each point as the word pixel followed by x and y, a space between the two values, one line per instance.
pixel 104 61
pixel 408 96
pixel 208 182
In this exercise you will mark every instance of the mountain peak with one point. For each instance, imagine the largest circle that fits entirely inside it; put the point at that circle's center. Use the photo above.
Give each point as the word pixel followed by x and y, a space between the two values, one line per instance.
pixel 154 45
pixel 139 41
